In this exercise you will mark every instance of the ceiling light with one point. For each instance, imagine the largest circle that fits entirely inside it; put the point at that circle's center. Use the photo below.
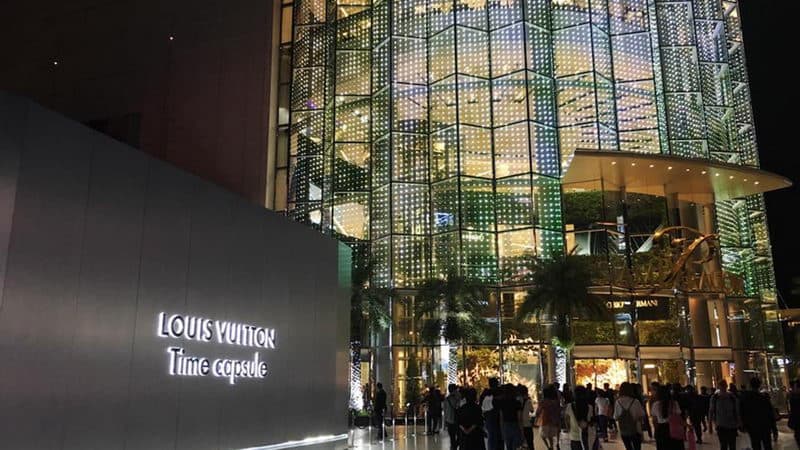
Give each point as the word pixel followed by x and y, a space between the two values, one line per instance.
pixel 652 165
pixel 613 163
pixel 704 172
pixel 669 168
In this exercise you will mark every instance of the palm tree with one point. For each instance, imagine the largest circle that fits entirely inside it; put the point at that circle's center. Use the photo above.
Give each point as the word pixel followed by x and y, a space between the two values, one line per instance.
pixel 368 304
pixel 560 293
pixel 368 315
pixel 451 308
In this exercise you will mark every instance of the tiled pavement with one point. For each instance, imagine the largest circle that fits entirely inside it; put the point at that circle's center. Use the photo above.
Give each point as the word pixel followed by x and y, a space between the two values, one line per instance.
pixel 399 438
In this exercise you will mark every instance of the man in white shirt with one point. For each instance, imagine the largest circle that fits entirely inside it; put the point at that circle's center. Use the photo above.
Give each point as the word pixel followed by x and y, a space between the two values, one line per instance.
pixel 601 405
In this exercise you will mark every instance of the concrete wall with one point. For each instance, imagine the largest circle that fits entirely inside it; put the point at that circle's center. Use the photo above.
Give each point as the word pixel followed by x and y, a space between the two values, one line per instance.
pixel 202 99
pixel 97 238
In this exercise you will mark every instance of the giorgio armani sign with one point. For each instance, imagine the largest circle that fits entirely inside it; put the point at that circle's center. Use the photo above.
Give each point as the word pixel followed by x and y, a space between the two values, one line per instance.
pixel 200 329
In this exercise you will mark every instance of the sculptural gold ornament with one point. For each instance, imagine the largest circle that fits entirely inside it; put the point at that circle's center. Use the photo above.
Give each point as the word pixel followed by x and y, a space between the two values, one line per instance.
pixel 707 244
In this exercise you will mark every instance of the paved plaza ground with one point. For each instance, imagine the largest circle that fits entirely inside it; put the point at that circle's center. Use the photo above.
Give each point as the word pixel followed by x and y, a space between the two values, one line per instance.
pixel 400 438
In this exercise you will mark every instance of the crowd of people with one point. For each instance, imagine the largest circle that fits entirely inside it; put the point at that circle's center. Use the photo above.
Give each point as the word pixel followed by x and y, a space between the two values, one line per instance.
pixel 502 417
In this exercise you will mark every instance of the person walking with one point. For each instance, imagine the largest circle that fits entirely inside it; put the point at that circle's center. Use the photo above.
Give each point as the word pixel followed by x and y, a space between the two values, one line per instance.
pixel 379 410
pixel 451 404
pixel 794 410
pixel 527 415
pixel 579 415
pixel 469 418
pixel 705 401
pixel 510 414
pixel 639 391
pixel 758 416
pixel 602 407
pixel 434 403
pixel 629 412
pixel 548 414
pixel 664 409
pixel 491 415
pixel 696 412
pixel 724 413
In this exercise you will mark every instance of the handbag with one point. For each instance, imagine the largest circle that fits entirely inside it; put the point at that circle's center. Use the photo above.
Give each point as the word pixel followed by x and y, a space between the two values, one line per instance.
pixel 676 426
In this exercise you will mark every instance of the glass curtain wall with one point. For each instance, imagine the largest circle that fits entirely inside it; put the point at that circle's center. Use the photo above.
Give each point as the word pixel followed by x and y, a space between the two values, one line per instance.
pixel 431 135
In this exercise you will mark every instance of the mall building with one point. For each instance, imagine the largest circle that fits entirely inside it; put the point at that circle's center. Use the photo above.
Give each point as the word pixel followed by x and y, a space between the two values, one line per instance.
pixel 468 136
pixel 475 136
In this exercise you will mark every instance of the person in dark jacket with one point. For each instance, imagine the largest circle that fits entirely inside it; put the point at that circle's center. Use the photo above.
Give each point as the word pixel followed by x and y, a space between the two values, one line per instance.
pixel 758 416
pixel 696 412
pixel 725 413
pixel 379 410
pixel 470 422
pixel 433 403
pixel 794 411
pixel 705 399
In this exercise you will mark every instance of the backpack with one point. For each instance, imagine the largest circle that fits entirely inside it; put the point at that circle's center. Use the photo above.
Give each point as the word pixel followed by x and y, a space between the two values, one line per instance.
pixel 626 423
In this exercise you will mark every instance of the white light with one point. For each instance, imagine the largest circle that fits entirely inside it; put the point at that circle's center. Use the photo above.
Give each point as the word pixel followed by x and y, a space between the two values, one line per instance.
pixel 633 164
pixel 755 182
pixel 669 168
pixel 688 170
pixel 301 443
pixel 172 38
pixel 613 163
pixel 716 174
pixel 704 172
pixel 649 366
pixel 55 63
pixel 652 165
pixel 730 177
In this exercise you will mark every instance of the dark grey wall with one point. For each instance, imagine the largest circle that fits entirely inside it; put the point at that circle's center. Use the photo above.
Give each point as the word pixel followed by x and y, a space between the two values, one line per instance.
pixel 96 239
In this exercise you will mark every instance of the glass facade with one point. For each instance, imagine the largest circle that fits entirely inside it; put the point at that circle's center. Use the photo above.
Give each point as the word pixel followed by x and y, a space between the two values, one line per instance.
pixel 432 136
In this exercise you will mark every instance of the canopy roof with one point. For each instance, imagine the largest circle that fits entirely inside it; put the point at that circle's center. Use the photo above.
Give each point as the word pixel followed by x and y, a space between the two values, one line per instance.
pixel 698 180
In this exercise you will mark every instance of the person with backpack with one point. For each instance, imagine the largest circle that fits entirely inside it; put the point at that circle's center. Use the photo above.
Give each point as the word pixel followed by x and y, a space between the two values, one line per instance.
pixel 758 416
pixel 510 416
pixel 724 413
pixel 629 412
pixel 451 404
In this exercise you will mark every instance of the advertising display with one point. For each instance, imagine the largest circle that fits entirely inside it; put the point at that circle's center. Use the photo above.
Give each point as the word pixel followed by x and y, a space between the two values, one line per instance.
pixel 143 308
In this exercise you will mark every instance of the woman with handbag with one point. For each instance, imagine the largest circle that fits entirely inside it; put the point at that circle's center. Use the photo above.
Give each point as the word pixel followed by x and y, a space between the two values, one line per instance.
pixel 669 424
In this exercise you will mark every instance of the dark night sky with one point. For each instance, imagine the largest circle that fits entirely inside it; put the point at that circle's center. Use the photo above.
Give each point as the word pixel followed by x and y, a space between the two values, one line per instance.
pixel 771 49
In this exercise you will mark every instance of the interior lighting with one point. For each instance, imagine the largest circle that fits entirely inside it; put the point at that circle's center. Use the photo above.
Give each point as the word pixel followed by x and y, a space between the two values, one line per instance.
pixel 669 168
pixel 652 165
pixel 613 163
pixel 704 172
